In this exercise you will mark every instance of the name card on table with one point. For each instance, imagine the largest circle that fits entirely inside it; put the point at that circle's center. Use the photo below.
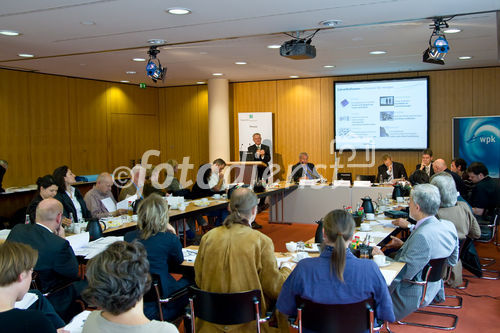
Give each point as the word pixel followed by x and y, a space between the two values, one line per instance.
pixel 174 201
pixel 342 183
pixel 308 182
pixel 362 183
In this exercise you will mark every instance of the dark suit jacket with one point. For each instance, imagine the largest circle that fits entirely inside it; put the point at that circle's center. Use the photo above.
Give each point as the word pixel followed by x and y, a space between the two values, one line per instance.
pixel 398 170
pixel 265 158
pixel 431 171
pixel 297 171
pixel 164 249
pixel 459 183
pixel 56 265
pixel 31 210
pixel 68 204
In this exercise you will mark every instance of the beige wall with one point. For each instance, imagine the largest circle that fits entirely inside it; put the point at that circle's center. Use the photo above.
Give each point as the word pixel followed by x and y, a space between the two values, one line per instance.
pixel 92 126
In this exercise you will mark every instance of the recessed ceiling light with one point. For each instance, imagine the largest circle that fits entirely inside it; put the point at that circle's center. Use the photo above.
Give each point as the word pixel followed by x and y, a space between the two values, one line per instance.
pixel 452 31
pixel 378 52
pixel 9 33
pixel 240 63
pixel 328 66
pixel 130 72
pixel 124 81
pixel 274 46
pixel 26 55
pixel 294 76
pixel 178 11
pixel 156 41
pixel 330 23
pixel 200 82
pixel 464 58
pixel 87 22
pixel 138 59
pixel 217 74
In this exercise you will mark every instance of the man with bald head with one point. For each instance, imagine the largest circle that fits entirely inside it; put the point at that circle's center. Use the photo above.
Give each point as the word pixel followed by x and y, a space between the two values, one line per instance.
pixel 99 194
pixel 56 264
pixel 439 165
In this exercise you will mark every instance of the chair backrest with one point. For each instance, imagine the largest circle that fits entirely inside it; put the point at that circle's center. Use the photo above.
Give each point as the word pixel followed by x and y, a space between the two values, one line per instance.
pixel 435 269
pixel 352 318
pixel 225 308
pixel 155 292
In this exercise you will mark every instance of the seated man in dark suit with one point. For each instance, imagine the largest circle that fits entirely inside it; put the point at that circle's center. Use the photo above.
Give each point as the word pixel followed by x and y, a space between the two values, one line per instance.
pixel 56 264
pixel 439 165
pixel 260 152
pixel 304 169
pixel 390 170
pixel 485 195
pixel 426 164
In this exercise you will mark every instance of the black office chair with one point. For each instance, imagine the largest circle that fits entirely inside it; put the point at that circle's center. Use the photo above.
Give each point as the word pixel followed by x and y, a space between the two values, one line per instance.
pixel 433 272
pixel 344 176
pixel 489 230
pixel 155 295
pixel 323 318
pixel 225 308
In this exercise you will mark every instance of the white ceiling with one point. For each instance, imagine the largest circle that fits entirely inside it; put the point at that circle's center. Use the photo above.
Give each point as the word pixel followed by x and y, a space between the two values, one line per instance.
pixel 53 28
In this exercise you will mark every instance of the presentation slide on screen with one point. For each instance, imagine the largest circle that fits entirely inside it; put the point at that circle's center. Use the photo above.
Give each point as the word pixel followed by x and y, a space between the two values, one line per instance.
pixel 389 114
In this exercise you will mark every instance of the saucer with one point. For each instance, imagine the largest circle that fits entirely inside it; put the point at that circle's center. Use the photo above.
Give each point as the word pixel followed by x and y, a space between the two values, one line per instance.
pixel 385 264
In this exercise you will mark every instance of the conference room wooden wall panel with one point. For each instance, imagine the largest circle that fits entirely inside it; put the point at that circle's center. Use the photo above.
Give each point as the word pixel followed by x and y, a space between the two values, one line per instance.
pixel 253 97
pixel 486 91
pixel 130 136
pixel 326 127
pixel 297 118
pixel 88 126
pixel 130 99
pixel 15 145
pixel 49 123
pixel 202 93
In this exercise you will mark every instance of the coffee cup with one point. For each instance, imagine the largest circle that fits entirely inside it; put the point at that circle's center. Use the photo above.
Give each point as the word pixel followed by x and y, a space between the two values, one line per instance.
pixel 370 216
pixel 174 206
pixel 182 208
pixel 216 196
pixel 379 259
pixel 77 228
pixel 291 246
pixel 365 227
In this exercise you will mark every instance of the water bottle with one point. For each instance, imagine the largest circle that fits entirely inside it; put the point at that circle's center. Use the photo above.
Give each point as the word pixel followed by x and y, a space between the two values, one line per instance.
pixel 71 217
pixel 27 219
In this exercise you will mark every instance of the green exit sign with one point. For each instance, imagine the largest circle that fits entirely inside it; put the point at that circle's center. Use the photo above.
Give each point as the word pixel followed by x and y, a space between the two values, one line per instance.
pixel 142 85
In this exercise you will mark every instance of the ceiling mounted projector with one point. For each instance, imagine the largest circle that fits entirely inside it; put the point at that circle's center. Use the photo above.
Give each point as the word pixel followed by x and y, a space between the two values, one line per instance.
pixel 299 48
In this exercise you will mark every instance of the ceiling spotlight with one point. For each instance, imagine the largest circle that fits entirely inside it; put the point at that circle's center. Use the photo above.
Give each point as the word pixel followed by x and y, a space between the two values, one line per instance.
pixel 438 45
pixel 178 11
pixel 138 59
pixel 328 66
pixel 124 81
pixel 200 82
pixel 217 74
pixel 9 33
pixel 156 41
pixel 87 22
pixel 330 23
pixel 26 55
pixel 130 72
pixel 378 52
pixel 154 69
pixel 240 63
pixel 452 31
pixel 274 46
pixel 293 76
pixel 464 58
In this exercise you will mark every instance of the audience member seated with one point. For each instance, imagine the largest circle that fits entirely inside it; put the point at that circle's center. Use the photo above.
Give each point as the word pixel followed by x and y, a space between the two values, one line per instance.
pixel 485 195
pixel 101 191
pixel 234 258
pixel 431 239
pixel 459 166
pixel 457 212
pixel 56 264
pixel 439 165
pixel 47 188
pixel 118 279
pixel 336 276
pixel 426 164
pixel 304 169
pixel 70 197
pixel 16 266
pixel 164 250
pixel 389 171
pixel 3 169
pixel 136 184
pixel 151 183
pixel 173 183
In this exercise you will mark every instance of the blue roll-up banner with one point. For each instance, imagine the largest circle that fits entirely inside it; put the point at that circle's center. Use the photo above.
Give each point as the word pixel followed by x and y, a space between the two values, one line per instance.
pixel 477 139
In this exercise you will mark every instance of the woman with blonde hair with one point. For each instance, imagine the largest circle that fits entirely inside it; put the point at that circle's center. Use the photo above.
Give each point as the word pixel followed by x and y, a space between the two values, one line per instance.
pixel 336 276
pixel 235 258
pixel 163 248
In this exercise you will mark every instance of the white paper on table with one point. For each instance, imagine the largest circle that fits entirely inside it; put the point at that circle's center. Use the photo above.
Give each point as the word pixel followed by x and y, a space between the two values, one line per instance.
pixel 282 259
pixel 109 204
pixel 99 245
pixel 78 241
pixel 189 255
pixel 174 201
pixel 26 302
pixel 386 223
pixel 124 203
pixel 389 275
pixel 76 324
pixel 373 234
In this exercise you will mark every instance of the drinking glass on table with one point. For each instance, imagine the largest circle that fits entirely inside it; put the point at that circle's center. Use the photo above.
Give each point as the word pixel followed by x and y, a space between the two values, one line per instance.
pixel 364 253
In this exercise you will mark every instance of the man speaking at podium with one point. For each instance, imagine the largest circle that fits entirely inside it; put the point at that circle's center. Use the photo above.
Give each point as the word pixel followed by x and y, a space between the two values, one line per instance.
pixel 260 153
